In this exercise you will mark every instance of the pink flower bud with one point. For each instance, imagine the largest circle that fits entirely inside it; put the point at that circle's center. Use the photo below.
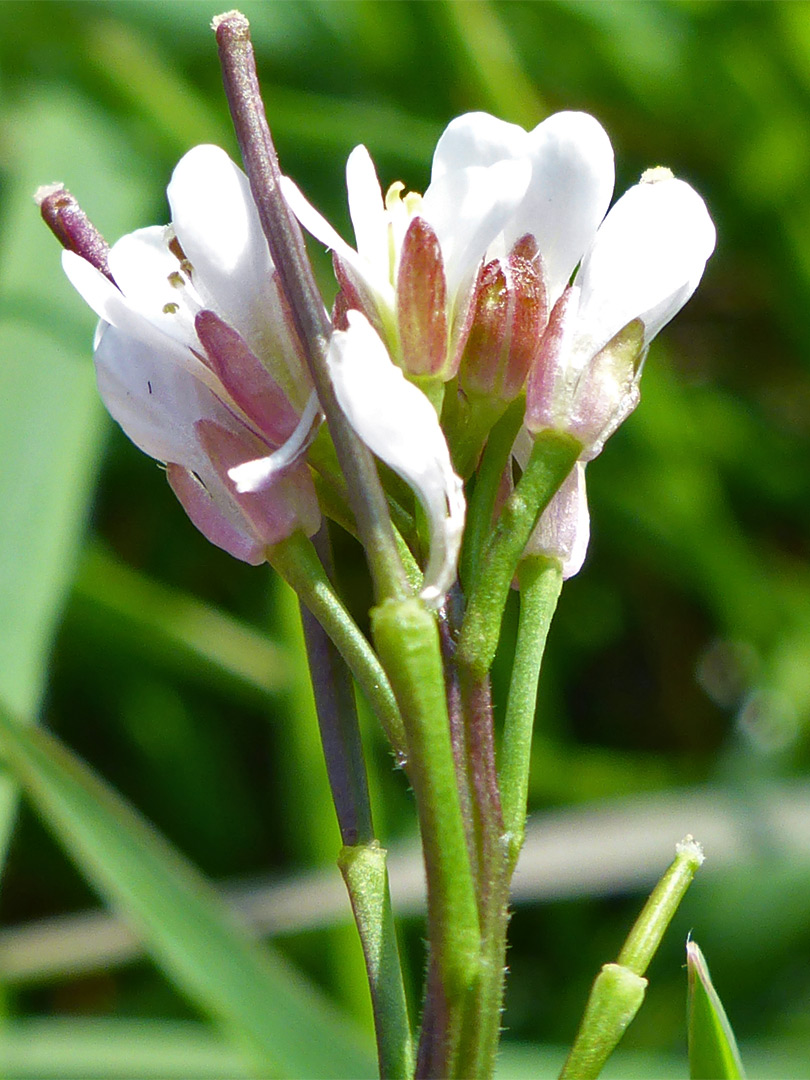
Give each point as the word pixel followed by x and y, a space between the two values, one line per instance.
pixel 510 315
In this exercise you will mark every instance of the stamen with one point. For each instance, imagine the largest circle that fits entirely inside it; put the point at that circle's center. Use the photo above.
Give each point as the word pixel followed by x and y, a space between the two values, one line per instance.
pixel 72 227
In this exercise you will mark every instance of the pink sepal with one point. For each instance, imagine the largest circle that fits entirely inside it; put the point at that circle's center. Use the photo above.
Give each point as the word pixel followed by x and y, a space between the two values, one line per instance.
pixel 207 516
pixel 354 295
pixel 511 313
pixel 246 379
pixel 277 511
pixel 422 302
pixel 544 389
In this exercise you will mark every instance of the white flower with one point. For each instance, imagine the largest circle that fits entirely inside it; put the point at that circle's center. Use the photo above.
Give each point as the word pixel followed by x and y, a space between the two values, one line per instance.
pixel 414 270
pixel 400 426
pixel 645 262
pixel 643 265
pixel 195 359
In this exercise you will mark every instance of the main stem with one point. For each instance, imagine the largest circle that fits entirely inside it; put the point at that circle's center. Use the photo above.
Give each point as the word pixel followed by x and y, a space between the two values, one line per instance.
pixel 408 643
pixel 362 860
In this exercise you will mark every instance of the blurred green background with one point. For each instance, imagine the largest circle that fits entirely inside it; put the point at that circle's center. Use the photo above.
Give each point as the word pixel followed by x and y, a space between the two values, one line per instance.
pixel 676 694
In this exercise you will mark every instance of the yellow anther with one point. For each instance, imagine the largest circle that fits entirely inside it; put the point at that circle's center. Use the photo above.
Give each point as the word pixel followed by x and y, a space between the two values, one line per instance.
pixel 393 195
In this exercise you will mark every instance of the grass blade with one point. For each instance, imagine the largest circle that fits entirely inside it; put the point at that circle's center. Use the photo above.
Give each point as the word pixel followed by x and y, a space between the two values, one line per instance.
pixel 713 1053
pixel 283 1025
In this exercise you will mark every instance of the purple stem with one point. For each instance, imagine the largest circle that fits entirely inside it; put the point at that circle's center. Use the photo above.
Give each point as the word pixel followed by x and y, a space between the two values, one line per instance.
pixel 337 720
pixel 298 283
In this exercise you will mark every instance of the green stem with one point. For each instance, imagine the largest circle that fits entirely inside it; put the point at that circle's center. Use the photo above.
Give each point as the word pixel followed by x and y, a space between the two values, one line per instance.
pixel 485 491
pixel 645 937
pixel 297 561
pixel 364 871
pixel 619 988
pixel 480 416
pixel 408 642
pixel 540 583
pixel 552 459
pixel 479 1040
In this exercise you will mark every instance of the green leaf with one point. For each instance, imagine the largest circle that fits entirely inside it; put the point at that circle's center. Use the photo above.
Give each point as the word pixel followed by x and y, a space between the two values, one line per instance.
pixel 284 1025
pixel 713 1053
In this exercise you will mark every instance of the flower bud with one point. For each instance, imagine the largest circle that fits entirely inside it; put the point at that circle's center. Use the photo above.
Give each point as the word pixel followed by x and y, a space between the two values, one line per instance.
pixel 422 301
pixel 509 317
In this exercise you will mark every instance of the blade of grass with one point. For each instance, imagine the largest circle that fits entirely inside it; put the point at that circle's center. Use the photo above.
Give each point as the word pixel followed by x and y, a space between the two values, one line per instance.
pixel 115 1050
pixel 713 1053
pixel 284 1026
pixel 172 628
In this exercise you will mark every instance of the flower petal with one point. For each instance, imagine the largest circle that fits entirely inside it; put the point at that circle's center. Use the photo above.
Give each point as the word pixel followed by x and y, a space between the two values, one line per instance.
pixel 151 279
pixel 477 138
pixel 155 402
pixel 367 210
pixel 570 191
pixel 112 307
pixel 219 231
pixel 400 426
pixel 646 261
pixel 467 209
pixel 276 512
pixel 259 473
pixel 316 224
pixel 564 528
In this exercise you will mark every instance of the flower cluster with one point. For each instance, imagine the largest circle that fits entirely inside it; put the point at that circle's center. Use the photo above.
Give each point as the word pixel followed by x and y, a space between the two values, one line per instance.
pixel 508 279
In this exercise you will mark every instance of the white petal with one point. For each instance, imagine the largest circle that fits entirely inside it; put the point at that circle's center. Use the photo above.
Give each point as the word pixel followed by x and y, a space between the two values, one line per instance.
pixel 156 403
pixel 467 209
pixel 112 307
pixel 367 210
pixel 477 139
pixel 149 276
pixel 400 426
pixel 260 473
pixel 646 261
pixel 218 228
pixel 316 224
pixel 570 191
pixel 563 530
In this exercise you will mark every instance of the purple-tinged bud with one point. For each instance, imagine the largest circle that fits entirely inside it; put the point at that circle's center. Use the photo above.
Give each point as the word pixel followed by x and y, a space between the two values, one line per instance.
pixel 509 317
pixel 571 389
pixel 607 391
pixel 544 392
pixel 422 302
pixel 72 227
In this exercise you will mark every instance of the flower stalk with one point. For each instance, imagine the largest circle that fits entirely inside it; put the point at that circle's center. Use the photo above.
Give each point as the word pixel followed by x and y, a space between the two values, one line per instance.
pixel 553 456
pixel 540 584
pixel 362 860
